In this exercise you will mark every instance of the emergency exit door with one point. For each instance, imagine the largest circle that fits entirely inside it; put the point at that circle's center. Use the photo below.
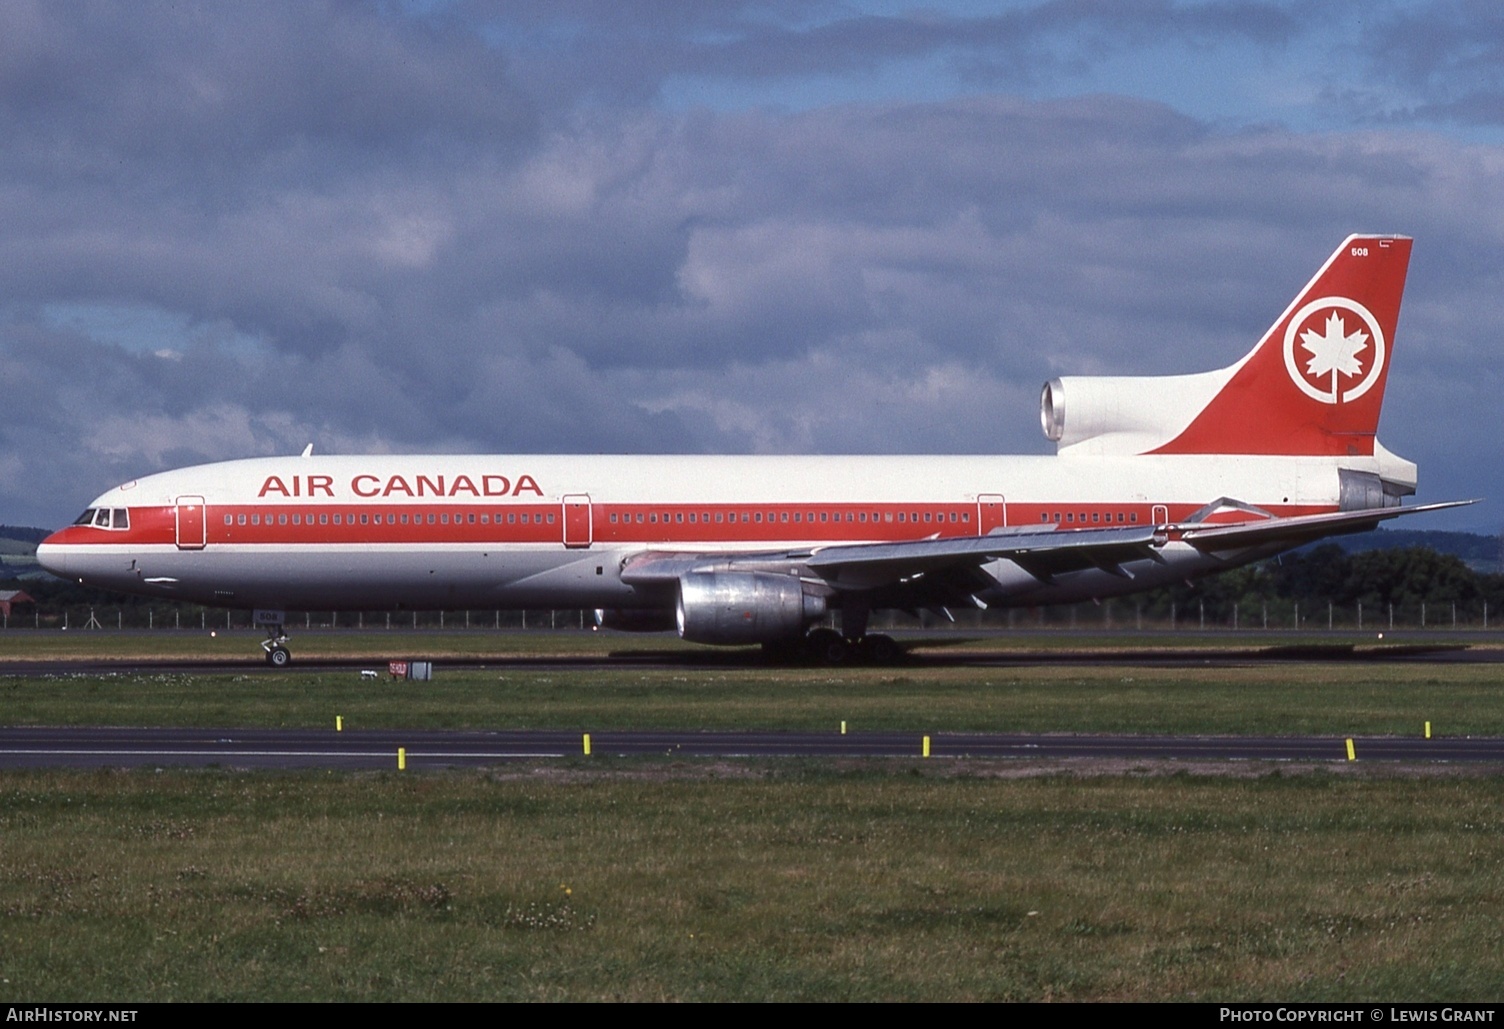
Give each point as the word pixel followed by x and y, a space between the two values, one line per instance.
pixel 992 512
pixel 190 519
pixel 578 528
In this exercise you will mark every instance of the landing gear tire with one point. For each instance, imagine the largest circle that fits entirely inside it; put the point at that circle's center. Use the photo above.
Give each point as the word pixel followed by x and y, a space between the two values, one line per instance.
pixel 827 647
pixel 275 645
pixel 880 649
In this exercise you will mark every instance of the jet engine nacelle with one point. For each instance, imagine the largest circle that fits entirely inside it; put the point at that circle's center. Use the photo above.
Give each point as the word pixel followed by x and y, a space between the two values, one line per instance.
pixel 634 620
pixel 744 607
pixel 1127 414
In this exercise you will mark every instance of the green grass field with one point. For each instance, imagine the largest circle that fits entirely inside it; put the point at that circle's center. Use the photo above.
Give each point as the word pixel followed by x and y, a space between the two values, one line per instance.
pixel 1339 698
pixel 658 879
pixel 750 881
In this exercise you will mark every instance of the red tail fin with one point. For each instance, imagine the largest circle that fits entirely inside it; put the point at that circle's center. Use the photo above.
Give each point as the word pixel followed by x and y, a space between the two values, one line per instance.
pixel 1315 382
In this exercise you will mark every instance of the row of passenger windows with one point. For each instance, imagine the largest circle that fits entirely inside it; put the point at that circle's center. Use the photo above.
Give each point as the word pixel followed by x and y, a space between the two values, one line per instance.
pixel 118 518
pixel 351 518
pixel 756 517
pixel 1097 517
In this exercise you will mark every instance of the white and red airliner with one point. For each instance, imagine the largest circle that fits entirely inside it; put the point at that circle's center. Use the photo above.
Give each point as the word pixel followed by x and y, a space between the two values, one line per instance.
pixel 1155 480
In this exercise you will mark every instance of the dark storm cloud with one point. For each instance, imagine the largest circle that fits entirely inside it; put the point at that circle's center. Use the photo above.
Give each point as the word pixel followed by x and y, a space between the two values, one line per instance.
pixel 615 52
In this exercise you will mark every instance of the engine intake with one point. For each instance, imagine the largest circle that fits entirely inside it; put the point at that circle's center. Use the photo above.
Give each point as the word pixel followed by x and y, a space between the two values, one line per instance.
pixel 744 607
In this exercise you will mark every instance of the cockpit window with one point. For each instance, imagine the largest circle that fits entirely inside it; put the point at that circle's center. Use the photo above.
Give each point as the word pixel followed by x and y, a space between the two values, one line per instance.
pixel 105 518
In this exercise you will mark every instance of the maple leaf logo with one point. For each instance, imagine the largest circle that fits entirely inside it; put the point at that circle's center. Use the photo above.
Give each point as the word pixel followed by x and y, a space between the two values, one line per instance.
pixel 1331 352
pixel 1335 352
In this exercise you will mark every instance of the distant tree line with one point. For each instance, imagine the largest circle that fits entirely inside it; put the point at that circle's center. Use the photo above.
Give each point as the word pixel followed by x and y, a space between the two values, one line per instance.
pixel 1401 578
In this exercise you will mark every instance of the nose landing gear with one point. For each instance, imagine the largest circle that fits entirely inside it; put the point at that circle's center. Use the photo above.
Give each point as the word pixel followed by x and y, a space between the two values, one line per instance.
pixel 275 645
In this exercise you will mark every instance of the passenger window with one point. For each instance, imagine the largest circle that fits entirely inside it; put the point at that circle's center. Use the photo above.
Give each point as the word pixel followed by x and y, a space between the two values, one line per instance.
pixel 240 519
pixel 229 519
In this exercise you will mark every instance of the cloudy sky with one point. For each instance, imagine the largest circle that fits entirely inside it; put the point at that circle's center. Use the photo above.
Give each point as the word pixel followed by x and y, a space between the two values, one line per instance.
pixel 231 230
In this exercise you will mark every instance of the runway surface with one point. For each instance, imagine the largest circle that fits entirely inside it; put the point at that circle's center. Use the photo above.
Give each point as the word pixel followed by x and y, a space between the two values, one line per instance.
pixel 90 747
pixel 1211 655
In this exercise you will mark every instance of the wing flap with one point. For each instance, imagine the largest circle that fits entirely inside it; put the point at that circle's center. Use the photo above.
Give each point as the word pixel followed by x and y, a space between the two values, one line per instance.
pixel 1303 528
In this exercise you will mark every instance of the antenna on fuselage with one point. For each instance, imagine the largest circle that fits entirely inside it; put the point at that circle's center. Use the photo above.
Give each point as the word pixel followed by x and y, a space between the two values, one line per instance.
pixel 308 450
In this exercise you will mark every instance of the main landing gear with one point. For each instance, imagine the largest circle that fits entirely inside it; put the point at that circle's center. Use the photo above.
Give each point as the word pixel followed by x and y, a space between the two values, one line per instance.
pixel 828 647
pixel 275 645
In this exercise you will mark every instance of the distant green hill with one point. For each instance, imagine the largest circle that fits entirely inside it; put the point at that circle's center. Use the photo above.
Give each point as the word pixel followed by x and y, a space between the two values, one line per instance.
pixel 18 551
pixel 1480 553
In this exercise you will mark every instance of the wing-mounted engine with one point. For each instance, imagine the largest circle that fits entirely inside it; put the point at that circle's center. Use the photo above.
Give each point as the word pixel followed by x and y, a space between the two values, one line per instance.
pixel 744 607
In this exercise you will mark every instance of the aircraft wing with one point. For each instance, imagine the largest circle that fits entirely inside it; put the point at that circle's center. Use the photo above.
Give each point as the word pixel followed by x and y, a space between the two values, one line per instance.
pixel 1292 532
pixel 1043 552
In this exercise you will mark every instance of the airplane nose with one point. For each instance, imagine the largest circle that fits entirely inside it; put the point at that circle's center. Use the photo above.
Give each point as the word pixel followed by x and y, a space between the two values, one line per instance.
pixel 53 556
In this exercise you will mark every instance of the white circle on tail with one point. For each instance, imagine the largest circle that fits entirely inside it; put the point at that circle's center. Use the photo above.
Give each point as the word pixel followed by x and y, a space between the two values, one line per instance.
pixel 1331 342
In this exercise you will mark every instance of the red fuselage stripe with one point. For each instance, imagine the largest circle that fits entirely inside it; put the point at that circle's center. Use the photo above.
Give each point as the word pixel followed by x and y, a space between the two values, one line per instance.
pixel 632 524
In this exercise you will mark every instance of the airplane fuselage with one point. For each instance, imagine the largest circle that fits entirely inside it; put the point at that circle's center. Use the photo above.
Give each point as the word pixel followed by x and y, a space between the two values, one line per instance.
pixel 392 532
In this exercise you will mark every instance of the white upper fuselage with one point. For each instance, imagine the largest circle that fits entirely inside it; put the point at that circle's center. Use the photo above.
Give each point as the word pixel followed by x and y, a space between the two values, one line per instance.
pixel 497 531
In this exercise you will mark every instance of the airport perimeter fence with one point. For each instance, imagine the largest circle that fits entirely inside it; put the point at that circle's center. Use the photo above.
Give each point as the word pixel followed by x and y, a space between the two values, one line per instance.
pixel 1120 615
